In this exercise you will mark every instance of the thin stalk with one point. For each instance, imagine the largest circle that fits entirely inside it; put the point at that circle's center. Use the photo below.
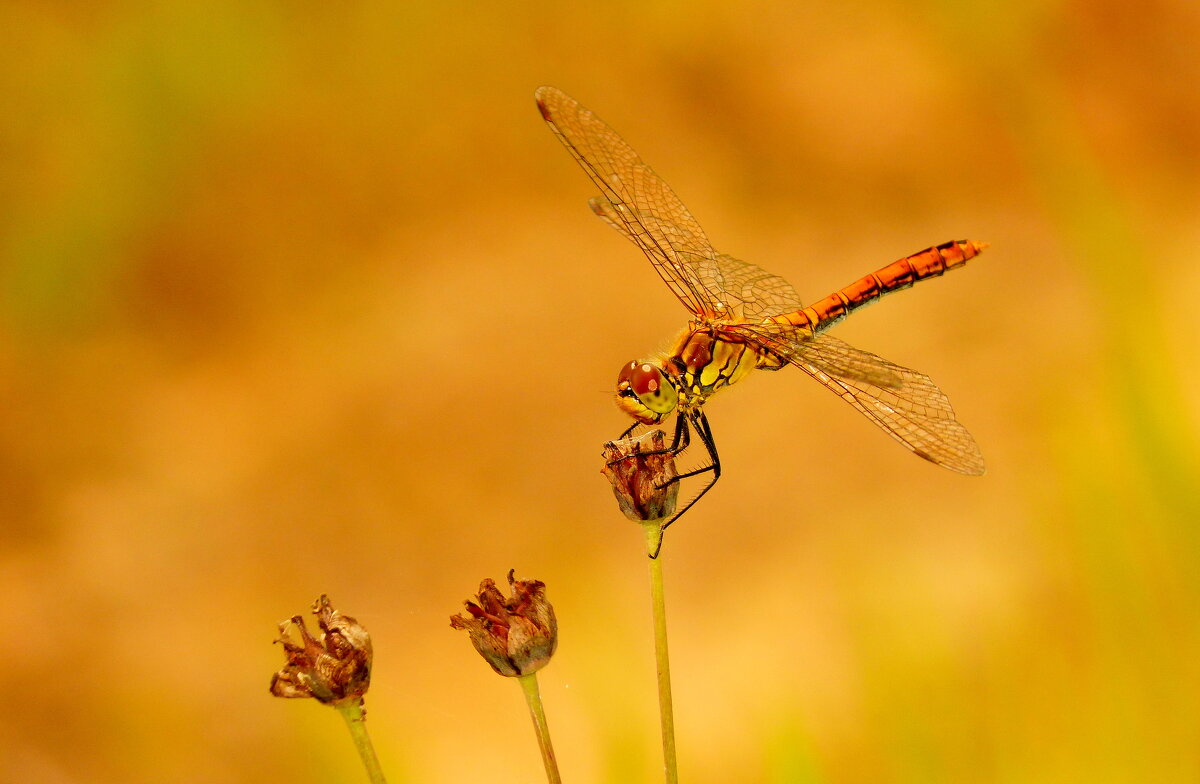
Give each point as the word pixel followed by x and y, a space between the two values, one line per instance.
pixel 533 698
pixel 352 711
pixel 665 705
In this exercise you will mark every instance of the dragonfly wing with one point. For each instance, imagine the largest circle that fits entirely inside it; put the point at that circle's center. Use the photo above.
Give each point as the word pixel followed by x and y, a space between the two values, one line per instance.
pixel 738 289
pixel 918 415
pixel 906 404
pixel 633 227
pixel 635 198
pixel 749 291
pixel 825 352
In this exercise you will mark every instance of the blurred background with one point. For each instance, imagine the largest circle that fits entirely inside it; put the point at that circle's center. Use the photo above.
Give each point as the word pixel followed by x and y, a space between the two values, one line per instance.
pixel 302 298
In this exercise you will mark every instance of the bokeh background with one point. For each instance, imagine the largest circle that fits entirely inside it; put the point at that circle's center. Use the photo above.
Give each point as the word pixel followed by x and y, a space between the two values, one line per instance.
pixel 304 297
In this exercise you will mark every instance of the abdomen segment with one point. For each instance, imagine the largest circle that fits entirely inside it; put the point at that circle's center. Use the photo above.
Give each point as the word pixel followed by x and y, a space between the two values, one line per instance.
pixel 929 263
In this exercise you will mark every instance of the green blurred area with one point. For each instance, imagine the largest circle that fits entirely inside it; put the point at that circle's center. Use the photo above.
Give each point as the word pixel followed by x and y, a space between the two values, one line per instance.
pixel 303 298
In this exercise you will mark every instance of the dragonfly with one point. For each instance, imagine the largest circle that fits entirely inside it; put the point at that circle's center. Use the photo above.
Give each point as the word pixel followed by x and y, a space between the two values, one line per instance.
pixel 744 318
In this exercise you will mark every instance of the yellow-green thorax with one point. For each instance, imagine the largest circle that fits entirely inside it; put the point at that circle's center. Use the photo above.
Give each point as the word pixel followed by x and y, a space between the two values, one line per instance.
pixel 701 362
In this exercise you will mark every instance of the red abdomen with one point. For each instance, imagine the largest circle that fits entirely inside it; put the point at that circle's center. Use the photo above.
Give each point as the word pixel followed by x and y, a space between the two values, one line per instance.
pixel 929 263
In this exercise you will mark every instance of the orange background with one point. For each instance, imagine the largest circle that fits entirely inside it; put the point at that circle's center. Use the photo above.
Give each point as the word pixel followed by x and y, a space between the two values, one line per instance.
pixel 303 298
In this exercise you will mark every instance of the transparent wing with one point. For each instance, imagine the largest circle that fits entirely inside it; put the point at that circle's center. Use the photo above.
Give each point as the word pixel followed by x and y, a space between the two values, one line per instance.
pixel 750 291
pixel 825 352
pixel 906 404
pixel 652 215
pixel 637 202
pixel 917 414
pixel 737 289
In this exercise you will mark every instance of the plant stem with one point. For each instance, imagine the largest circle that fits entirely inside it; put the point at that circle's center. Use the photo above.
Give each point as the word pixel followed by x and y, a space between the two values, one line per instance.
pixel 665 706
pixel 533 698
pixel 352 711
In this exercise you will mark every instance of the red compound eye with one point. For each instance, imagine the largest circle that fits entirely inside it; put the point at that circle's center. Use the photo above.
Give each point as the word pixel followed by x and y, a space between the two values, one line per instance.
pixel 645 393
pixel 645 379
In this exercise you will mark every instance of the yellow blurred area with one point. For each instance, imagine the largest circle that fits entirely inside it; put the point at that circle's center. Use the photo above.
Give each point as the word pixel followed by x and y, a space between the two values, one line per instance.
pixel 304 297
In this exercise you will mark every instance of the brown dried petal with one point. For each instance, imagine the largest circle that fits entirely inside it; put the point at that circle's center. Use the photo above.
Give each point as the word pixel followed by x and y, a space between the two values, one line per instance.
pixel 330 668
pixel 516 635
pixel 642 482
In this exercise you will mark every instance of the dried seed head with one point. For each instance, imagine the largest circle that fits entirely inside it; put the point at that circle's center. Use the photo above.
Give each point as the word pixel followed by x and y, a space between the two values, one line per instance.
pixel 641 471
pixel 516 635
pixel 333 667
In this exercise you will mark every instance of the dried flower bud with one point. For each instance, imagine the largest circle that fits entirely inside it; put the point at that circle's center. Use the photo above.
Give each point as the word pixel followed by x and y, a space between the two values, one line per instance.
pixel 641 471
pixel 515 635
pixel 332 668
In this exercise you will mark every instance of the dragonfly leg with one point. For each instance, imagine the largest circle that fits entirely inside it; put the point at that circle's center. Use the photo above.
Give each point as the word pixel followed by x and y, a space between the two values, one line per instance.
pixel 679 442
pixel 683 435
pixel 704 431
pixel 700 423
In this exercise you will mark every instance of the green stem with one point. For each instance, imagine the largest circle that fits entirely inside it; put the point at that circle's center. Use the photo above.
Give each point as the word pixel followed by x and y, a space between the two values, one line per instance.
pixel 352 711
pixel 533 698
pixel 665 706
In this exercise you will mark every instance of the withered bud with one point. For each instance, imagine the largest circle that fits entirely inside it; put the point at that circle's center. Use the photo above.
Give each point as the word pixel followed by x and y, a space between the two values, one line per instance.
pixel 641 471
pixel 333 667
pixel 516 635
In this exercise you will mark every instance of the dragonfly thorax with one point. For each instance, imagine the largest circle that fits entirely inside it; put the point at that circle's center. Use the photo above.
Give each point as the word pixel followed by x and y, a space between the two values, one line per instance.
pixel 704 361
pixel 645 392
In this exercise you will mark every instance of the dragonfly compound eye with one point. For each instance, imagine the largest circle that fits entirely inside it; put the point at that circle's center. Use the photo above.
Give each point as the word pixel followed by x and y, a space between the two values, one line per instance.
pixel 644 392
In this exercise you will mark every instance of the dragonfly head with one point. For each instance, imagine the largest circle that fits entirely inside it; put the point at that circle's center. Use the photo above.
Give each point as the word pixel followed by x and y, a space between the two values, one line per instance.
pixel 645 393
